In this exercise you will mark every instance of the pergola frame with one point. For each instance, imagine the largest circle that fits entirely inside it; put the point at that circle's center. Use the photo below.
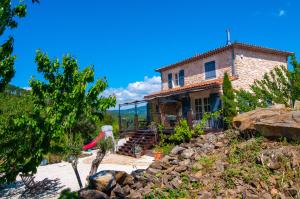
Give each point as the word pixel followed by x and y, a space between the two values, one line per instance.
pixel 136 120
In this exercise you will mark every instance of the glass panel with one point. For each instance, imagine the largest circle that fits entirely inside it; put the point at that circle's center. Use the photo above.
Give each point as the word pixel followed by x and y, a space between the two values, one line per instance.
pixel 210 70
pixel 170 80
pixel 176 79
pixel 198 108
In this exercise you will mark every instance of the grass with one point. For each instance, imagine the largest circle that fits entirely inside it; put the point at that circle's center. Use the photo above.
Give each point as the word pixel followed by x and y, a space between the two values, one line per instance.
pixel 207 161
pixel 167 194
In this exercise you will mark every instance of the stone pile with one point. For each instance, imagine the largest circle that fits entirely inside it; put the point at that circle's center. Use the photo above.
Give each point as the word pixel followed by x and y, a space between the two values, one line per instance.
pixel 215 165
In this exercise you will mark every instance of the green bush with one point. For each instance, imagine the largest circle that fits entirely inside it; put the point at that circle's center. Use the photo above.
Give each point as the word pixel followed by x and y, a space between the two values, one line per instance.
pixel 182 133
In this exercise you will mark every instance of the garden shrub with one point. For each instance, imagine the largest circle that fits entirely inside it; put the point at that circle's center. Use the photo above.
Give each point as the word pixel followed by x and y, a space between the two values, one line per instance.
pixel 182 133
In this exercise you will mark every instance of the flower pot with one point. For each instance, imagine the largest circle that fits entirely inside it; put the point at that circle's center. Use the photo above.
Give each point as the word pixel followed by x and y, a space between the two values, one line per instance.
pixel 158 155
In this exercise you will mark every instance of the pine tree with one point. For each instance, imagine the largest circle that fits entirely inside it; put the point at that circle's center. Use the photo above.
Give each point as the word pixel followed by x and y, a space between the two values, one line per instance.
pixel 228 99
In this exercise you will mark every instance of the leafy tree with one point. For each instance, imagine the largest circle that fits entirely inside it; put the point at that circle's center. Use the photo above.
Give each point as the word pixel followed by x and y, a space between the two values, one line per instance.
pixel 281 86
pixel 247 101
pixel 228 99
pixel 8 15
pixel 65 97
pixel 59 104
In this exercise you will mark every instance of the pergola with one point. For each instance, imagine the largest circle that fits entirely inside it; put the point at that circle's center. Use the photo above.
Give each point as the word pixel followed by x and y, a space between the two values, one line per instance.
pixel 136 117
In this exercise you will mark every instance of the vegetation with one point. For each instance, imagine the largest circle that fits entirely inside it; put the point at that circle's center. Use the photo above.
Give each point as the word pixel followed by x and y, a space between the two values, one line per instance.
pixel 64 100
pixel 199 128
pixel 228 100
pixel 183 132
pixel 164 144
pixel 8 15
pixel 281 86
pixel 61 104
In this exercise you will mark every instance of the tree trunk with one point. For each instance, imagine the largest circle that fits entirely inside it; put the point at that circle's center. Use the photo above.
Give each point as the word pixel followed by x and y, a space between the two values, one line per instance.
pixel 96 162
pixel 74 165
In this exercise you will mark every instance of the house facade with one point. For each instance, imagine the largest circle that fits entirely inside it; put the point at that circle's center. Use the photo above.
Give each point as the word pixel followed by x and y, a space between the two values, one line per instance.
pixel 193 86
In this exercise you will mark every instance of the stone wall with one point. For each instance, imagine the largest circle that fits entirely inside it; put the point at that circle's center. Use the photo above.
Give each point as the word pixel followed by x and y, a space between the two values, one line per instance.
pixel 194 72
pixel 252 65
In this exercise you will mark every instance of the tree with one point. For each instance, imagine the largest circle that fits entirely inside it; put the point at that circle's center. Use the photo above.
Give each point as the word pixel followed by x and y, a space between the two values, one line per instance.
pixel 228 99
pixel 63 98
pixel 8 15
pixel 247 101
pixel 281 86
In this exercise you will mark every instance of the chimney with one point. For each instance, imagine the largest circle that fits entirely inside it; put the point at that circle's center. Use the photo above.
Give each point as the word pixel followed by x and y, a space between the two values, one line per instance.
pixel 228 42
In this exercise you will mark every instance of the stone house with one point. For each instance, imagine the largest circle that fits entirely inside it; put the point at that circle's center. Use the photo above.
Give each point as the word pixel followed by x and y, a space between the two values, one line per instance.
pixel 193 86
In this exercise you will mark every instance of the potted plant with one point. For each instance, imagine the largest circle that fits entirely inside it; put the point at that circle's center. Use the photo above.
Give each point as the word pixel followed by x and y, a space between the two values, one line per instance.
pixel 137 151
pixel 158 152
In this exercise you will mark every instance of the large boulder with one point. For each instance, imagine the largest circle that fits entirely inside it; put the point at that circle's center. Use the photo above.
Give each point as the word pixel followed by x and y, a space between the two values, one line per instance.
pixel 286 124
pixel 271 122
pixel 106 180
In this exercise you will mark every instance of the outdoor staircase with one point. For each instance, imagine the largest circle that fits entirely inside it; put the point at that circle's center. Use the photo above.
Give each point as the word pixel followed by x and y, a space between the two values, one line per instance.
pixel 145 140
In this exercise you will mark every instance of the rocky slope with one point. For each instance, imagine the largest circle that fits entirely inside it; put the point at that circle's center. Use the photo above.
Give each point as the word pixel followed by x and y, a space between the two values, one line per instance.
pixel 222 165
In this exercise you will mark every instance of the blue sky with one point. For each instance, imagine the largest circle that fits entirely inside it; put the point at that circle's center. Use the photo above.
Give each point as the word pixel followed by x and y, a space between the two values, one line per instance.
pixel 127 39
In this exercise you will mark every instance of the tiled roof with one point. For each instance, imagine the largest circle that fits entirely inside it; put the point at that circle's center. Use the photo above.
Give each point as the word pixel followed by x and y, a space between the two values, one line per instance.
pixel 224 48
pixel 178 90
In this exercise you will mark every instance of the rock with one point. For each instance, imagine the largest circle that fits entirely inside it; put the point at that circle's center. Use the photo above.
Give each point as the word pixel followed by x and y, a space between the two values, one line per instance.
pixel 175 162
pixel 219 166
pixel 181 169
pixel 147 190
pixel 185 162
pixel 291 192
pixel 118 192
pixel 274 192
pixel 205 195
pixel 197 165
pixel 126 190
pixel 198 174
pixel 176 182
pixel 103 180
pixel 135 194
pixel 219 145
pixel 129 180
pixel 266 195
pixel 92 194
pixel 152 171
pixel 187 153
pixel 208 147
pixel 176 150
pixel 271 122
pixel 156 165
pixel 274 165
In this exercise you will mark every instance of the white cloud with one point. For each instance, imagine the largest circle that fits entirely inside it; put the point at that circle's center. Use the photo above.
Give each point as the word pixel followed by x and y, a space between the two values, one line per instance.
pixel 27 88
pixel 281 13
pixel 135 90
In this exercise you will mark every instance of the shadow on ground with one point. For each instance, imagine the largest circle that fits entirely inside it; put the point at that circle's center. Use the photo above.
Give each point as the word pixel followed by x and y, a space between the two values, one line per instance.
pixel 48 189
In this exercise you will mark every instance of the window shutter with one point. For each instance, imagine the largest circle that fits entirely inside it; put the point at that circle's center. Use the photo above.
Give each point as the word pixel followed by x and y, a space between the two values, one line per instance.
pixel 170 80
pixel 181 77
pixel 210 70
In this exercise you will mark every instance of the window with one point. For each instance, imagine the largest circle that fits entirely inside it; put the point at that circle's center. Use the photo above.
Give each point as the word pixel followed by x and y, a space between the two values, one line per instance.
pixel 198 108
pixel 210 70
pixel 206 104
pixel 176 79
pixel 170 82
pixel 181 77
pixel 202 105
